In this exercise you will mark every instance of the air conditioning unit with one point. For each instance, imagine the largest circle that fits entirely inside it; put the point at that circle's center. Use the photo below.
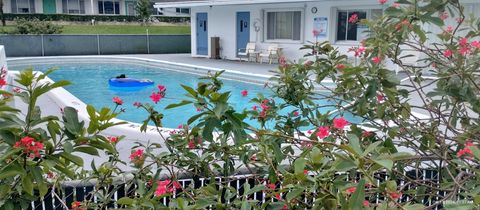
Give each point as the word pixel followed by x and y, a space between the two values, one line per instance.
pixel 215 47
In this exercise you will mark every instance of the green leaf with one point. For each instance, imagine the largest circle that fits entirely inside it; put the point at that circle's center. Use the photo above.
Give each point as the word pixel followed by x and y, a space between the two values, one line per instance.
pixel 190 90
pixel 27 184
pixel 42 186
pixel 356 202
pixel 68 147
pixel 11 170
pixel 125 201
pixel 414 207
pixel 255 189
pixel 388 164
pixel 87 150
pixel 371 147
pixel 183 103
pixel 354 142
pixel 294 193
pixel 75 159
pixel 299 165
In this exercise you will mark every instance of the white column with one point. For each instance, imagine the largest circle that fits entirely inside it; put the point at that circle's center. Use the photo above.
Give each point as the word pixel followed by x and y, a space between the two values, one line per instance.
pixel 91 5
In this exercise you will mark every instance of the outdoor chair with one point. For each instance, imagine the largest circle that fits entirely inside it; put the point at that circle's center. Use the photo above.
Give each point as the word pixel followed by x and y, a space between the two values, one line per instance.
pixel 248 52
pixel 271 53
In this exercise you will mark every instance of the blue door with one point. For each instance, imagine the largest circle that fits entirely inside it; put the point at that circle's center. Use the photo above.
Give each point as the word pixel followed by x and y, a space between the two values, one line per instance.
pixel 243 29
pixel 202 34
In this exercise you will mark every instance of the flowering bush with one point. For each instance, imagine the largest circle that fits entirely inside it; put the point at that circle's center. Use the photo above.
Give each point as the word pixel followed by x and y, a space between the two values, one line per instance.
pixel 303 154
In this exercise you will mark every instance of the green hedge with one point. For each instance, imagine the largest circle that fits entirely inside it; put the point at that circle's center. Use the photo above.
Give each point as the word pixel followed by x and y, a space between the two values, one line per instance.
pixel 88 18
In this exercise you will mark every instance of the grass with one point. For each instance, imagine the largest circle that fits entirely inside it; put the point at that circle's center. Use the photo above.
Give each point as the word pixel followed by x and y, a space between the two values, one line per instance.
pixel 118 29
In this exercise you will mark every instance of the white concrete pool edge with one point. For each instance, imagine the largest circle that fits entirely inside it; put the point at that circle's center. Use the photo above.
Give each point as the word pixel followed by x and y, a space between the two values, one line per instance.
pixel 229 72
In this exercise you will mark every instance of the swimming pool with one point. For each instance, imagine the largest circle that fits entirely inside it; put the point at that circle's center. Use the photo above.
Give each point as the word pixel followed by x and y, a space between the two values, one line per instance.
pixel 90 84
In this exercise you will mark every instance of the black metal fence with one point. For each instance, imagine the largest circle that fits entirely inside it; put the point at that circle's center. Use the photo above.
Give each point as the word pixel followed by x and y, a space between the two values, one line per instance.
pixel 54 45
pixel 81 191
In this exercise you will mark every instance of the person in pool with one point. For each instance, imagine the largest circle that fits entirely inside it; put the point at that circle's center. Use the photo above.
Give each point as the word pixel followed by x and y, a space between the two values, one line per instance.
pixel 122 76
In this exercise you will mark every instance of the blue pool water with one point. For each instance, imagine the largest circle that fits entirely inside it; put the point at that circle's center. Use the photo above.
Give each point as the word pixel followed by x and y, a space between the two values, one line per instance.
pixel 90 84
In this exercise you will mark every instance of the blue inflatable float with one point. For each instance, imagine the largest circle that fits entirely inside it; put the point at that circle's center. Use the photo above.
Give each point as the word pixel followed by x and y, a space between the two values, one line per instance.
pixel 129 82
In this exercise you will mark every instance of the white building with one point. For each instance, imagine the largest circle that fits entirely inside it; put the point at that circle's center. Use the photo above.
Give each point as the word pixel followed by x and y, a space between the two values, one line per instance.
pixel 77 7
pixel 288 23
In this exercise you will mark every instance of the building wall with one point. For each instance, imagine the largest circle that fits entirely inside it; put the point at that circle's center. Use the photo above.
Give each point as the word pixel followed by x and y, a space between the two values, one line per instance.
pixel 222 23
pixel 7 7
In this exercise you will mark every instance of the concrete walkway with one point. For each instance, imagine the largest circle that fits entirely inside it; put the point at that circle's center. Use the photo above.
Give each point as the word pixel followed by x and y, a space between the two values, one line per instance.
pixel 247 67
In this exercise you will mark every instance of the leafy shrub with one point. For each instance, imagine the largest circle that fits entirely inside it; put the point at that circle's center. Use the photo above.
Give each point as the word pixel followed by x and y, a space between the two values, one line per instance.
pixel 88 18
pixel 335 164
pixel 35 26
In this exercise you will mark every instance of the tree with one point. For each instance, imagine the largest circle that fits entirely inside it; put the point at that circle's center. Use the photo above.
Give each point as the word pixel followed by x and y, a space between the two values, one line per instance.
pixel 1 13
pixel 144 8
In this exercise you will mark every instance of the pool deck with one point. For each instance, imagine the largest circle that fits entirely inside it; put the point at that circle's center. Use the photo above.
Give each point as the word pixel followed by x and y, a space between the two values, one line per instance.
pixel 244 66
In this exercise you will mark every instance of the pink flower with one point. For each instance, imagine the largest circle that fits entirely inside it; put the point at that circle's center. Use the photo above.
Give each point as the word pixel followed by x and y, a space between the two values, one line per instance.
pixel 164 187
pixel 382 2
pixel 459 19
pixel 162 88
pixel 309 132
pixel 351 190
pixel 117 100
pixel 396 5
pixel 271 186
pixel 448 53
pixel 366 203
pixel 283 62
pixel 316 33
pixel 285 207
pixel 2 82
pixel 340 123
pixel 136 155
pixel 449 29
pixel 295 114
pixel 464 50
pixel 156 97
pixel 305 172
pixel 359 51
pixel 340 66
pixel 443 15
pixel 112 139
pixel 475 44
pixel 191 144
pixel 395 195
pixel 254 108
pixel 244 93
pixel 76 205
pixel 323 132
pixel 180 126
pixel 366 134
pixel 137 104
pixel 376 60
pixel 29 146
pixel 463 41
pixel 380 97
pixel 353 18
pixel 466 150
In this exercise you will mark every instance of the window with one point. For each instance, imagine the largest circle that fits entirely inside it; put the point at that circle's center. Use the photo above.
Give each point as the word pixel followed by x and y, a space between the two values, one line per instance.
pixel 73 6
pixel 182 10
pixel 23 6
pixel 347 31
pixel 131 8
pixel 108 7
pixel 284 25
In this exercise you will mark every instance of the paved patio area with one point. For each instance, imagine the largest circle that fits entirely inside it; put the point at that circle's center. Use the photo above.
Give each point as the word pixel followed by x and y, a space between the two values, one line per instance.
pixel 247 67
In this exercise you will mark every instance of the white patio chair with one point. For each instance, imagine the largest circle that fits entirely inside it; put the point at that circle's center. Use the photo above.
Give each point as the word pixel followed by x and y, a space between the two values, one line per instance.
pixel 270 54
pixel 247 52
